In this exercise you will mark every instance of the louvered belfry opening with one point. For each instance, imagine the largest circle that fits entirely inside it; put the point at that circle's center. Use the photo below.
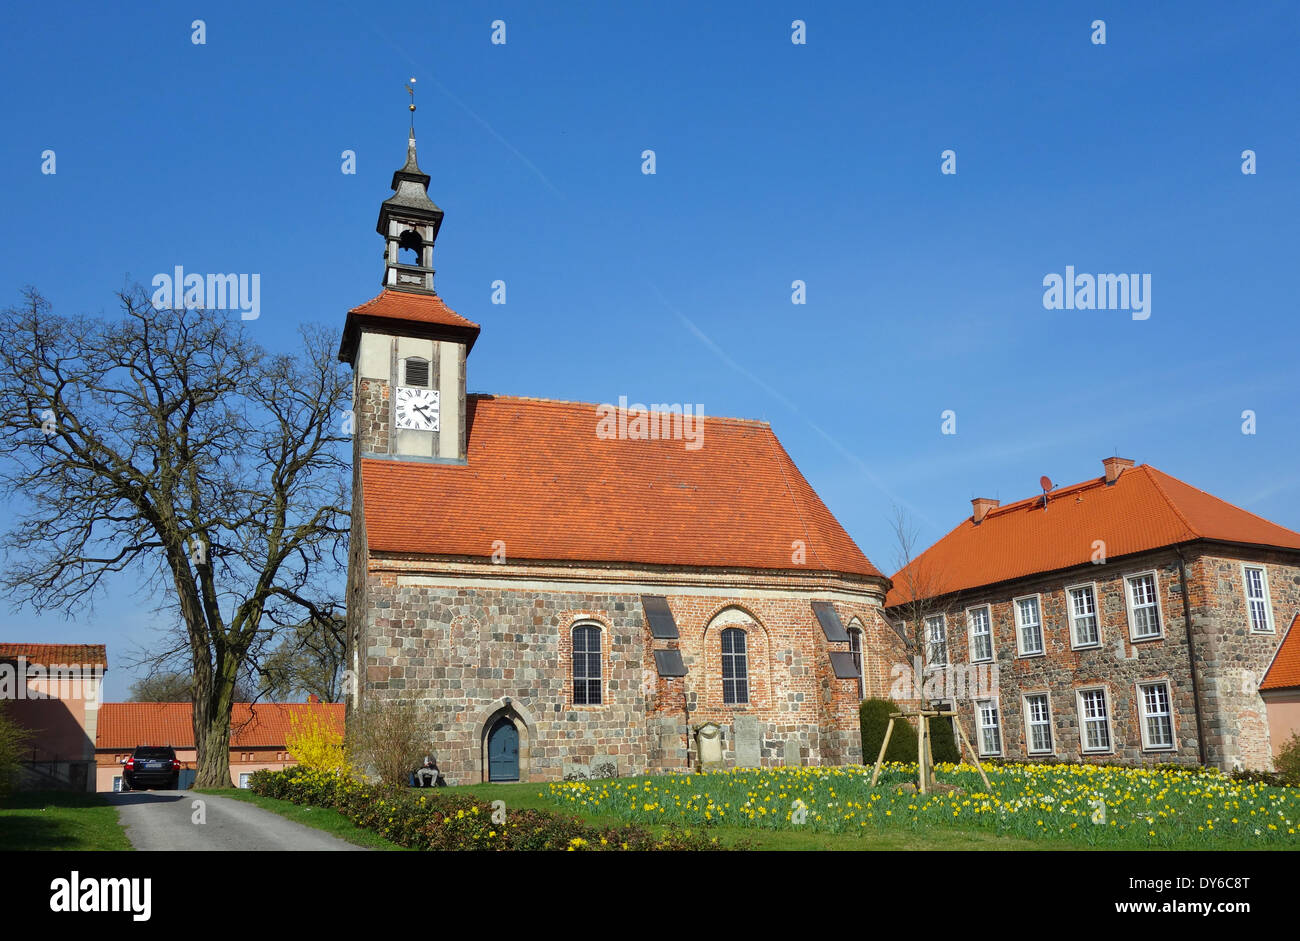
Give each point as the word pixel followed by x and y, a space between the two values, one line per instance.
pixel 417 373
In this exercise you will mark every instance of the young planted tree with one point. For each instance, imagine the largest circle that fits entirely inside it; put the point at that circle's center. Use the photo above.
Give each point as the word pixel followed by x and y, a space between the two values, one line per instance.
pixel 168 443
pixel 926 608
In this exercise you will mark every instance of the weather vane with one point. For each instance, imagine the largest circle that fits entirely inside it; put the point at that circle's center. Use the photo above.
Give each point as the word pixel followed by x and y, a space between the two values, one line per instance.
pixel 410 90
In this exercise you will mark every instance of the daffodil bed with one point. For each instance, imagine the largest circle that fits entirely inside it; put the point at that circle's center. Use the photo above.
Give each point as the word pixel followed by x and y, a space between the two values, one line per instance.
pixel 1089 804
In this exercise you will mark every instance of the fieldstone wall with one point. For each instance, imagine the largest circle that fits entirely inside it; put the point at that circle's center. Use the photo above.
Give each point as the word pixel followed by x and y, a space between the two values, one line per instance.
pixel 467 655
pixel 1230 658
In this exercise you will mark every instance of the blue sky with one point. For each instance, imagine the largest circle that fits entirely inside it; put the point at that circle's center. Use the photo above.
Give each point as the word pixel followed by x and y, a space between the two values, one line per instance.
pixel 775 162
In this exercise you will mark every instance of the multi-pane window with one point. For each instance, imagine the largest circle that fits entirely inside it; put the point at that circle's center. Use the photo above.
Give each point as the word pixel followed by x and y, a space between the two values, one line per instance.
pixel 855 648
pixel 1029 626
pixel 1144 609
pixel 1257 599
pixel 937 633
pixel 981 634
pixel 1094 720
pixel 1038 724
pixel 735 667
pixel 586 666
pixel 990 734
pixel 1157 718
pixel 1083 616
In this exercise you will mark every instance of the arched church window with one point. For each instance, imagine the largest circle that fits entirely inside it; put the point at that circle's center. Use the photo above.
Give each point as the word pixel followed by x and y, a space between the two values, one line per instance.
pixel 855 648
pixel 586 666
pixel 409 244
pixel 735 666
pixel 415 372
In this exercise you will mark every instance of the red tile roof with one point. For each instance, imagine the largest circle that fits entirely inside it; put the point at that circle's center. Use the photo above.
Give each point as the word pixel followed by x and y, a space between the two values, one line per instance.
pixel 404 305
pixel 539 478
pixel 124 725
pixel 94 654
pixel 1284 671
pixel 410 308
pixel 1144 509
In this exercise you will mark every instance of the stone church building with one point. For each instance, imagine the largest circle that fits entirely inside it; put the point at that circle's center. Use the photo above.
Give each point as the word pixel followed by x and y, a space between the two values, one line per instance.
pixel 560 595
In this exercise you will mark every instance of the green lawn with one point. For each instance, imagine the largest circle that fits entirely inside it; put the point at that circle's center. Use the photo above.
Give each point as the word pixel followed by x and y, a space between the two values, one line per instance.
pixel 525 796
pixel 320 818
pixel 1028 807
pixel 59 820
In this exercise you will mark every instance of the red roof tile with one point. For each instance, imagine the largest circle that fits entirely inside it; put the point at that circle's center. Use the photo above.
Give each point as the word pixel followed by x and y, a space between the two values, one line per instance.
pixel 539 478
pixel 404 305
pixel 124 725
pixel 94 654
pixel 1284 671
pixel 1144 509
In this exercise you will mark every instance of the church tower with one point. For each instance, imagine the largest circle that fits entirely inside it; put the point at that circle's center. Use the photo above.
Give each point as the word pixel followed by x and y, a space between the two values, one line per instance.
pixel 406 347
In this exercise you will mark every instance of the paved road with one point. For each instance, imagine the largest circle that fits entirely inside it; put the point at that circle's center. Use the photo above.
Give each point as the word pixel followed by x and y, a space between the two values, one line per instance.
pixel 164 820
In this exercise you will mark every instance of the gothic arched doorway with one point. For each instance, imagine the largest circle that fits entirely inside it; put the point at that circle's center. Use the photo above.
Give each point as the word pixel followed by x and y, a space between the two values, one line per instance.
pixel 503 750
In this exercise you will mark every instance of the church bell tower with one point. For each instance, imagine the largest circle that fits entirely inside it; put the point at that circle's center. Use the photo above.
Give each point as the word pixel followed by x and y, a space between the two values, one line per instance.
pixel 407 348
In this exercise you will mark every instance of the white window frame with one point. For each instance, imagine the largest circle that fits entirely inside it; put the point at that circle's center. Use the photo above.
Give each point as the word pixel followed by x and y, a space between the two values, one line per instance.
pixel 1142 714
pixel 1096 613
pixel 1083 727
pixel 1051 724
pixel 245 779
pixel 930 643
pixel 1159 606
pixel 970 633
pixel 1042 633
pixel 117 783
pixel 856 634
pixel 1271 628
pixel 980 727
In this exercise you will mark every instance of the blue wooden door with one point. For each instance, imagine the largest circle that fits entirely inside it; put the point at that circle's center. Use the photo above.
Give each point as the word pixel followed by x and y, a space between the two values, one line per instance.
pixel 503 751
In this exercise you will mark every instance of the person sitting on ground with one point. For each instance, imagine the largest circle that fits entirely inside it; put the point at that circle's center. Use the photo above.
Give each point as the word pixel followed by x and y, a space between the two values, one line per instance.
pixel 427 776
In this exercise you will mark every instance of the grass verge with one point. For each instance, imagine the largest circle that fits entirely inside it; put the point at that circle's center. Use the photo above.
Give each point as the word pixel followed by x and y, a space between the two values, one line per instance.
pixel 319 818
pixel 60 820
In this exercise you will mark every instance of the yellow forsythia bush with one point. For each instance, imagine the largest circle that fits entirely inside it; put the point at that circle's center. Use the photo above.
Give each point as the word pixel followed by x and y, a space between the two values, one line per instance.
pixel 314 742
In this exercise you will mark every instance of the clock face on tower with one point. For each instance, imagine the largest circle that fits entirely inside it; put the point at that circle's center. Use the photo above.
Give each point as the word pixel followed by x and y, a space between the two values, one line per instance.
pixel 417 409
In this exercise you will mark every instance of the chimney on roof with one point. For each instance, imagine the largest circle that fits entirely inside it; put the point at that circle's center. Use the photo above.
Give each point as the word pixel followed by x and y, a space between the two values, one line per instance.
pixel 313 698
pixel 981 507
pixel 1114 467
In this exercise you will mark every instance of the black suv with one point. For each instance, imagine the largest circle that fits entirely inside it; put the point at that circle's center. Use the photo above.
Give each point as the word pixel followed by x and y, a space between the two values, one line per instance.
pixel 152 766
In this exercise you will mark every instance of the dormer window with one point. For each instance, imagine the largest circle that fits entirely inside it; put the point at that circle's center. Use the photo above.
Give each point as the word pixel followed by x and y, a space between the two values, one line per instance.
pixel 415 372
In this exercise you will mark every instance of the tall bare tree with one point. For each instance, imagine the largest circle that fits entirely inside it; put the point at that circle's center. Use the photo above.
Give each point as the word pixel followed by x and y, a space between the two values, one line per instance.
pixel 309 660
pixel 168 442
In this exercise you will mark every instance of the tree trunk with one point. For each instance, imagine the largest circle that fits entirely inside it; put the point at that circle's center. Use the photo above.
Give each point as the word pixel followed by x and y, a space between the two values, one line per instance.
pixel 212 725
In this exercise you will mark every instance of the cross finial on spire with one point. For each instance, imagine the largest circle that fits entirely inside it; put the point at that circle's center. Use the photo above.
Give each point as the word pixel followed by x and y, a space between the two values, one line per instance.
pixel 410 90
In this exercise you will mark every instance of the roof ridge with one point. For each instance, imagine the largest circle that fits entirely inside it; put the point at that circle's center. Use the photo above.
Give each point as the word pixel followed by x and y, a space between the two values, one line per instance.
pixel 1089 484
pixel 542 400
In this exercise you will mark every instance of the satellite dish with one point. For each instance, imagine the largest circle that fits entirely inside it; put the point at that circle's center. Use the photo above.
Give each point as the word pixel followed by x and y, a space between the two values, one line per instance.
pixel 1045 482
